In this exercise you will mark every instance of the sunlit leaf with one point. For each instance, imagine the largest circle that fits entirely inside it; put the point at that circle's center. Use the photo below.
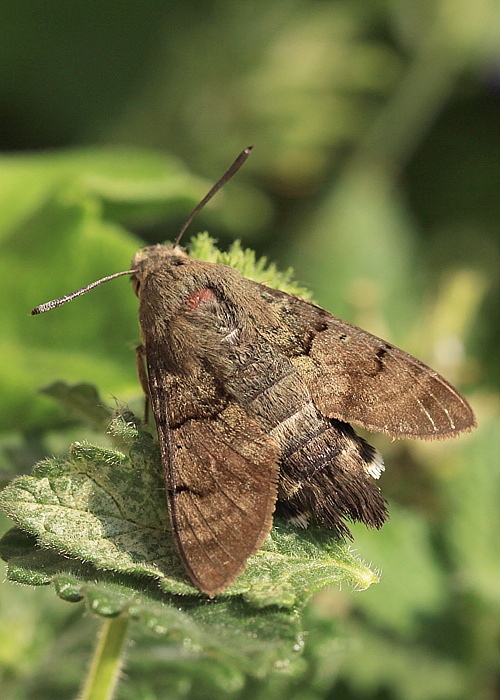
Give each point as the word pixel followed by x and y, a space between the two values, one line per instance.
pixel 107 509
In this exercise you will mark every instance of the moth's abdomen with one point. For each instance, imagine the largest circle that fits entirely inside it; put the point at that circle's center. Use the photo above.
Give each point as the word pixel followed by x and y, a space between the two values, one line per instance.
pixel 326 471
pixel 328 475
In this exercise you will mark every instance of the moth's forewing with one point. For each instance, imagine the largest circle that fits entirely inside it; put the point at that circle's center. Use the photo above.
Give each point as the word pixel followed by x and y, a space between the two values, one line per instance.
pixel 389 389
pixel 356 377
pixel 221 478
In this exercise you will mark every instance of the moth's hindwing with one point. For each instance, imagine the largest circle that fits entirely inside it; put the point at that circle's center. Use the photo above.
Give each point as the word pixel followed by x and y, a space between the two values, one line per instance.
pixel 327 472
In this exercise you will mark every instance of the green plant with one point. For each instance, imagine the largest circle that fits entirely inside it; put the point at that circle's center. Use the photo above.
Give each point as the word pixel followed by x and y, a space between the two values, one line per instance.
pixel 65 222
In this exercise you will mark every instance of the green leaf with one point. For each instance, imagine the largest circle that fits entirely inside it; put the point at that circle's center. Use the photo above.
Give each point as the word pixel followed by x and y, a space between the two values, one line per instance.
pixel 99 535
pixel 130 185
pixel 244 260
pixel 105 508
pixel 227 628
pixel 82 401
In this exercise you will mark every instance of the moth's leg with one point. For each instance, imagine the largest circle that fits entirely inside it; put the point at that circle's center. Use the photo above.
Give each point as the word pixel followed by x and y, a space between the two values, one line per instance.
pixel 140 358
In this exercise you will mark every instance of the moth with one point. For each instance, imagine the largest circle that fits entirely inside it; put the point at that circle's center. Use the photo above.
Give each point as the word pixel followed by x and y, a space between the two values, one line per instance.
pixel 253 391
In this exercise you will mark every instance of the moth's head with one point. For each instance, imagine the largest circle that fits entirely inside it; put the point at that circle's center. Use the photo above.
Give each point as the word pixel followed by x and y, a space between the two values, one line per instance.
pixel 153 258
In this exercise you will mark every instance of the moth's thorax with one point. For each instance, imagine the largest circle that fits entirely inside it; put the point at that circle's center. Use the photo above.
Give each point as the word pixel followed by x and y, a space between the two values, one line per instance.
pixel 198 312
pixel 167 280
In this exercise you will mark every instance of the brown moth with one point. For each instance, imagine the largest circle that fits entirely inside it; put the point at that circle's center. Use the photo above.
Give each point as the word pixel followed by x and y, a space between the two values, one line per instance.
pixel 253 391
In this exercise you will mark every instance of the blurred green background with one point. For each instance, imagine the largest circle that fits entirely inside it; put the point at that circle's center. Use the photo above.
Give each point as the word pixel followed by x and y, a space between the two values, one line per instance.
pixel 375 174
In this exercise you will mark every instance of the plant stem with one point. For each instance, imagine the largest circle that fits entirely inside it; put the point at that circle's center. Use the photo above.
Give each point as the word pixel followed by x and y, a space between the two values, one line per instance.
pixel 106 663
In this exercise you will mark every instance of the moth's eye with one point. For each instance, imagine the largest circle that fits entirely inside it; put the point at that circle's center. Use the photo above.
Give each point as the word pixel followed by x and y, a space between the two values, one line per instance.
pixel 177 262
pixel 136 285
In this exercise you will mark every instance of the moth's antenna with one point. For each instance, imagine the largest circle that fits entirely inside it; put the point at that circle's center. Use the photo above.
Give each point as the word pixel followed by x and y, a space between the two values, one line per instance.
pixel 222 181
pixel 42 308
pixel 63 300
